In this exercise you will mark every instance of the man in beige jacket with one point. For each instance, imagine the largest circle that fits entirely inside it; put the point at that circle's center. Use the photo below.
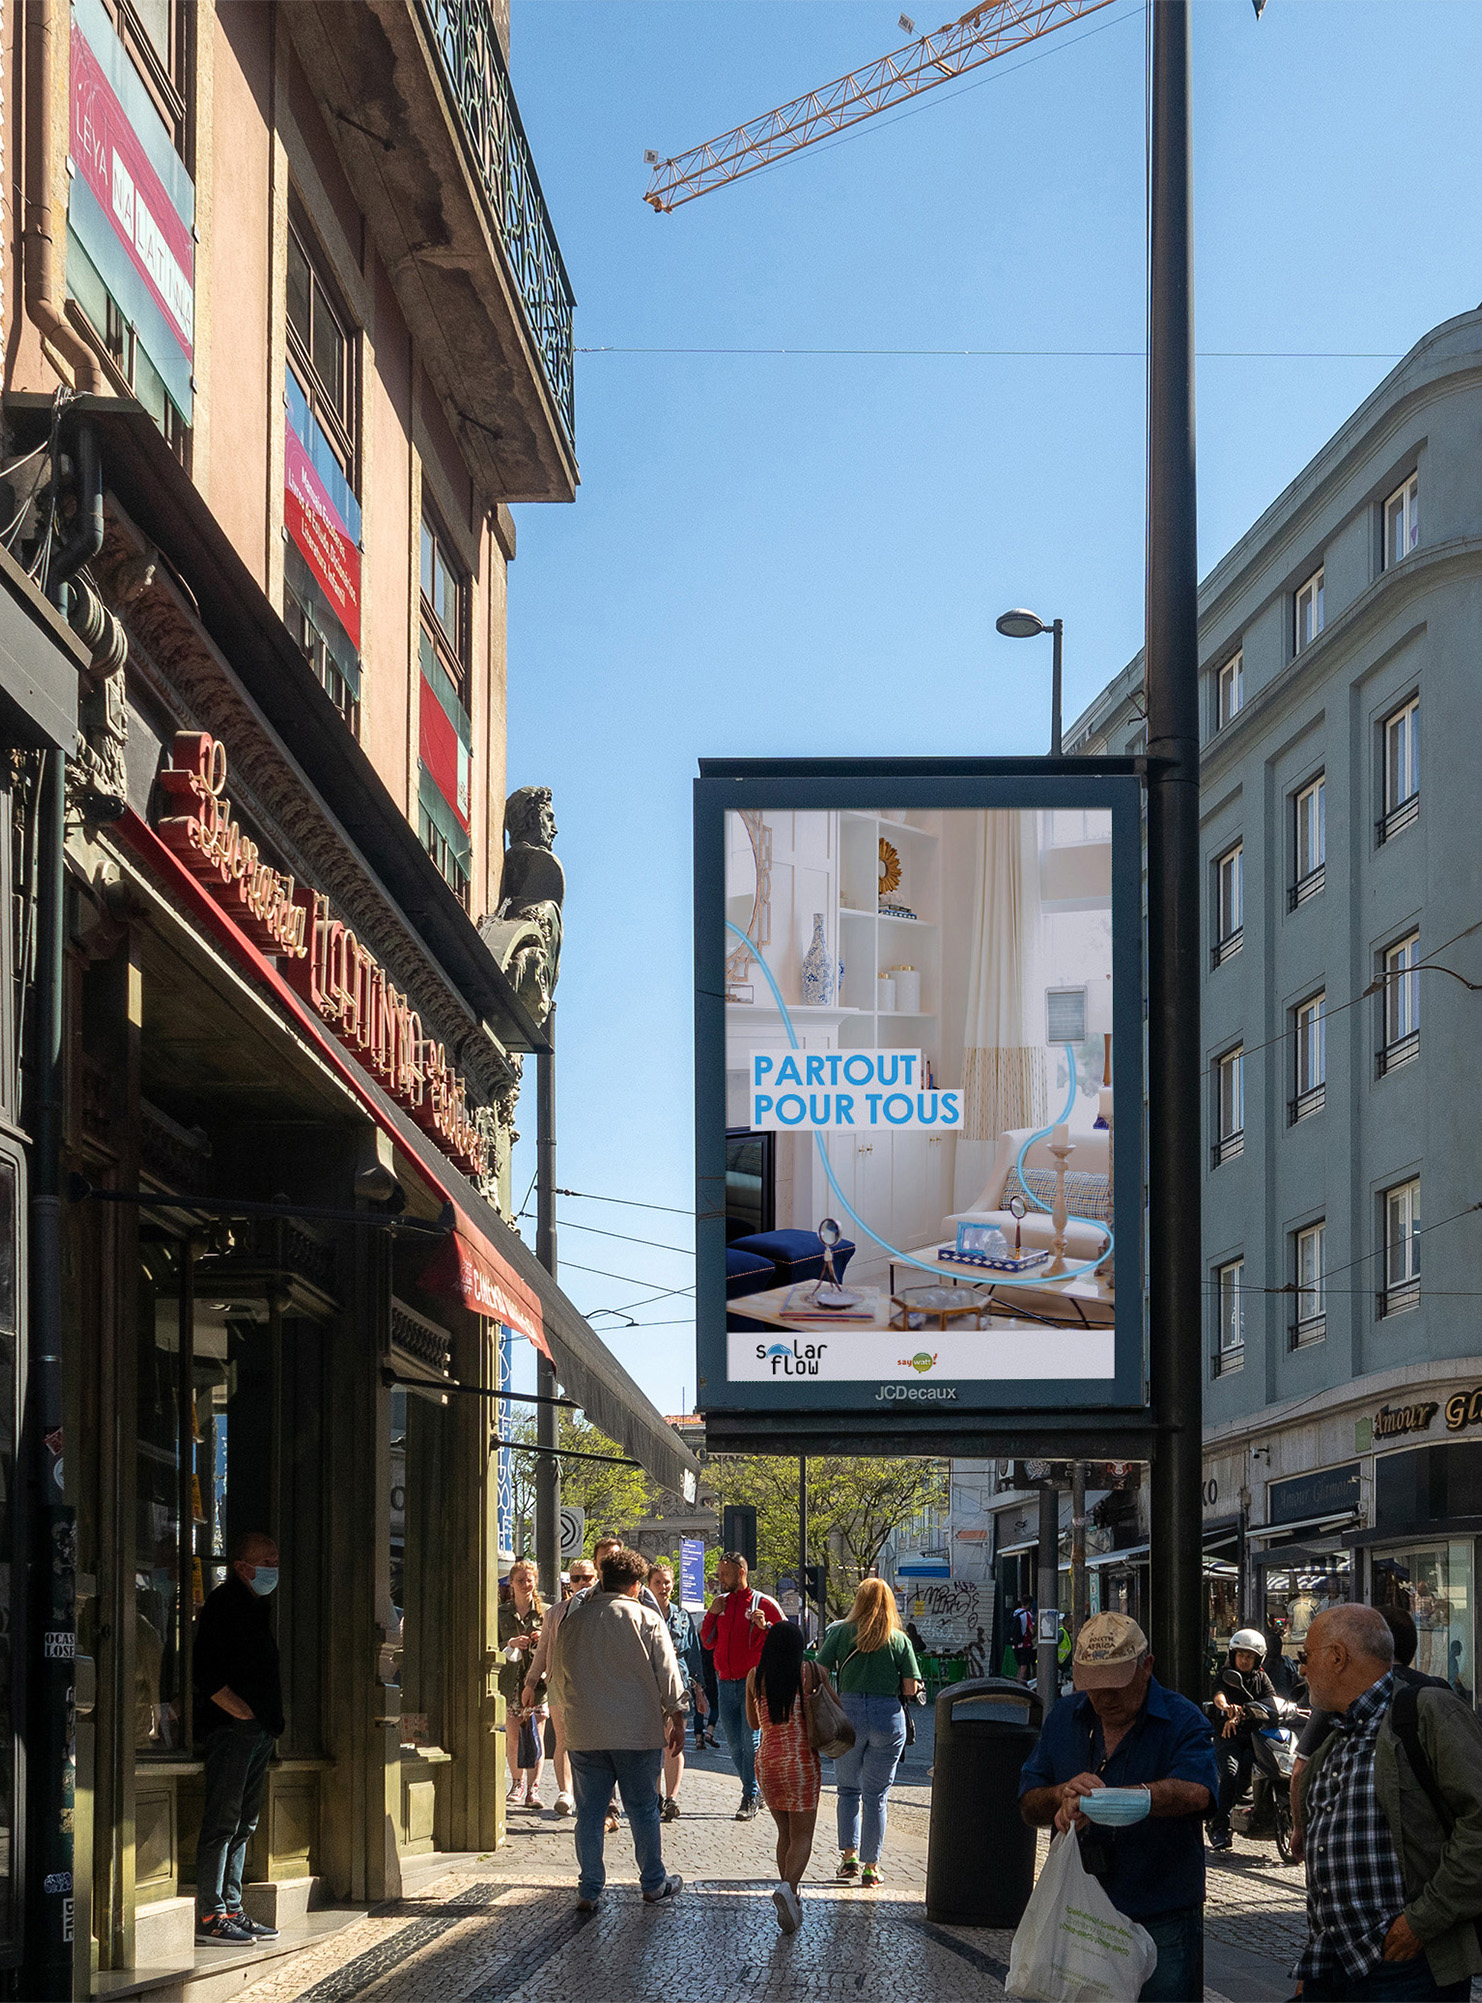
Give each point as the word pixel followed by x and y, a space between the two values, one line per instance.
pixel 614 1674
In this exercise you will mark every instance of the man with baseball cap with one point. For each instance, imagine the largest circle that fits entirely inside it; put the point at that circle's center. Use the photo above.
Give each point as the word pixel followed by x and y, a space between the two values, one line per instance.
pixel 1122 1730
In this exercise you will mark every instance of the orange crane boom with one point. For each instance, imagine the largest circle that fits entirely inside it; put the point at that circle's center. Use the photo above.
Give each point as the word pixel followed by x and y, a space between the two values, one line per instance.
pixel 985 32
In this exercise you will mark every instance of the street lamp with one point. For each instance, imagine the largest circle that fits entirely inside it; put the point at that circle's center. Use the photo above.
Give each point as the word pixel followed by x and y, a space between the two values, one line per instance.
pixel 1022 625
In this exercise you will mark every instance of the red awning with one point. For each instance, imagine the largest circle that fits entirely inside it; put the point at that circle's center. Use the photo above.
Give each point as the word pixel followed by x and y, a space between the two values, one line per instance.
pixel 466 1268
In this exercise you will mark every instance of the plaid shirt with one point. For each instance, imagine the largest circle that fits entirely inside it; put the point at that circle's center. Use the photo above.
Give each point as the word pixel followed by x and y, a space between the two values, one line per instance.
pixel 1354 1889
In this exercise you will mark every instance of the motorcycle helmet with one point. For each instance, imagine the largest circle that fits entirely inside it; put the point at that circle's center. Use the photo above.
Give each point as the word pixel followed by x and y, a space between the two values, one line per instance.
pixel 1251 1638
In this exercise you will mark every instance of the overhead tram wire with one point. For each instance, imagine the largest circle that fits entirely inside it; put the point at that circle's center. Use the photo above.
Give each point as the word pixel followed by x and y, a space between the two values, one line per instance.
pixel 627 1238
pixel 1021 354
pixel 631 1202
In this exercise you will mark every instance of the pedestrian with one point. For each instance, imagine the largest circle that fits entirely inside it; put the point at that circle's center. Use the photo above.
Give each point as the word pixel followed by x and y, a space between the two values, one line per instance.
pixel 1022 1635
pixel 787 1768
pixel 735 1628
pixel 239 1717
pixel 687 1653
pixel 1120 1728
pixel 615 1677
pixel 582 1576
pixel 518 1632
pixel 603 1548
pixel 1241 1683
pixel 705 1724
pixel 1393 1845
pixel 876 1672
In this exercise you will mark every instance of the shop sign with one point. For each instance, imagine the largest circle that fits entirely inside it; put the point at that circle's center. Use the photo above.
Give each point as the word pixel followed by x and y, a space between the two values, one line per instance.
pixel 323 959
pixel 1391 1421
pixel 1328 1492
pixel 323 540
pixel 1463 1408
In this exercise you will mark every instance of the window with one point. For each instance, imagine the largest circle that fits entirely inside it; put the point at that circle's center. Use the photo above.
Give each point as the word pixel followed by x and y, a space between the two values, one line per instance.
pixel 1309 609
pixel 1402 522
pixel 1311 1024
pixel 113 332
pixel 1401 1248
pixel 1229 1317
pixel 1229 903
pixel 319 347
pixel 1230 691
pixel 1401 768
pixel 445 783
pixel 155 33
pixel 1229 1106
pixel 1401 1004
pixel 1311 841
pixel 1311 1270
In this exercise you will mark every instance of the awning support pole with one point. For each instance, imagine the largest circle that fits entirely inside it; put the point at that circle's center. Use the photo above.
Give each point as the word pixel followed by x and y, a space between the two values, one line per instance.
pixel 548 1466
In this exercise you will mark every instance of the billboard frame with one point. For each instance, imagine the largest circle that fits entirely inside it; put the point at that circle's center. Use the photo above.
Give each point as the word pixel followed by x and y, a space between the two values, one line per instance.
pixel 1104 1418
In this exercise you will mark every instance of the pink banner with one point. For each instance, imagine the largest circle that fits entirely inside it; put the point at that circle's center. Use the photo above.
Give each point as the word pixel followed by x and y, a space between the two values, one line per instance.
pixel 323 540
pixel 114 164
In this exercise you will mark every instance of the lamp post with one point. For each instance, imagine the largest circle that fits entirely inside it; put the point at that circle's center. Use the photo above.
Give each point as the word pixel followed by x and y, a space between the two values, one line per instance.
pixel 1022 625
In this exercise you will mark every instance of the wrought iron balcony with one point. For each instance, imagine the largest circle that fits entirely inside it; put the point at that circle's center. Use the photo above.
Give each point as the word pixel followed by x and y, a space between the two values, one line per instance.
pixel 478 83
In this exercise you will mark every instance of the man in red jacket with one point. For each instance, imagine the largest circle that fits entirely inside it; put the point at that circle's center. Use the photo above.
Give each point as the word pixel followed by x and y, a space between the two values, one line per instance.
pixel 735 1628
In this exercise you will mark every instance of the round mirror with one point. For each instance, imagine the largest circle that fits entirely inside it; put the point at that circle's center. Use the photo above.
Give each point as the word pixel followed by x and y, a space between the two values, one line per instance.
pixel 829 1232
pixel 1018 1207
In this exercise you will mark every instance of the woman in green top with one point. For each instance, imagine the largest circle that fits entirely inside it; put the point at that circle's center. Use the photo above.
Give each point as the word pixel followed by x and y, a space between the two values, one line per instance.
pixel 519 1633
pixel 875 1671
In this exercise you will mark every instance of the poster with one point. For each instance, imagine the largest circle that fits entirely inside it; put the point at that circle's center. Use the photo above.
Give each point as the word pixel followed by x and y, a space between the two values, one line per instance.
pixel 917 1021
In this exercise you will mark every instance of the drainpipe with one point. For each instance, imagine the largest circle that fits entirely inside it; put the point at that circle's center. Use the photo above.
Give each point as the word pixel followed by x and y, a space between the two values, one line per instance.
pixel 547 1467
pixel 45 293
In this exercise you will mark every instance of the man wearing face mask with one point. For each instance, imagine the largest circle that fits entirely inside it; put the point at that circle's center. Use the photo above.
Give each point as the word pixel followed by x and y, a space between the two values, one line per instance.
pixel 239 1716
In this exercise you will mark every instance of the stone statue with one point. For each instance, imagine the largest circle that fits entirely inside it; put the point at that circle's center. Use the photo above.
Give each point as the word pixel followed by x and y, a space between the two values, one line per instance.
pixel 524 934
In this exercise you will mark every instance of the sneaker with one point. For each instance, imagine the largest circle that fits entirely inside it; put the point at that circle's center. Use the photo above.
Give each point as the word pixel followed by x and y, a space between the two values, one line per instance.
pixel 869 1875
pixel 747 1811
pixel 259 1929
pixel 564 1804
pixel 223 1930
pixel 673 1885
pixel 1224 1841
pixel 534 1803
pixel 848 1867
pixel 516 1796
pixel 670 1811
pixel 789 1912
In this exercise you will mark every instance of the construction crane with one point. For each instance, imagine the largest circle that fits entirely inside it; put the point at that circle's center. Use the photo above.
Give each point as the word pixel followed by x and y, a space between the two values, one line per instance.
pixel 981 35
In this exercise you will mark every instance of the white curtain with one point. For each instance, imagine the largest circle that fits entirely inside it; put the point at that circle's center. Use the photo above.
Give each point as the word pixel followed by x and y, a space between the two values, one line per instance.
pixel 1003 1071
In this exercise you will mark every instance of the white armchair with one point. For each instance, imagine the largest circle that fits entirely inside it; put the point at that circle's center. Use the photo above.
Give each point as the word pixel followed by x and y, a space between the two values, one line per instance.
pixel 1091 1157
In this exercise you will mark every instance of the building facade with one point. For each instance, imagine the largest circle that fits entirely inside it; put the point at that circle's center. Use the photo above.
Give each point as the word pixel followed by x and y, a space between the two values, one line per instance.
pixel 1342 1456
pixel 287 337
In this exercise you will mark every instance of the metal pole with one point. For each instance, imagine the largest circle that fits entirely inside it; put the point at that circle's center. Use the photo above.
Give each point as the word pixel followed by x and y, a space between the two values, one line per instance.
pixel 547 1467
pixel 803 1540
pixel 1058 630
pixel 50 1740
pixel 1175 1300
pixel 1077 1546
pixel 1049 1595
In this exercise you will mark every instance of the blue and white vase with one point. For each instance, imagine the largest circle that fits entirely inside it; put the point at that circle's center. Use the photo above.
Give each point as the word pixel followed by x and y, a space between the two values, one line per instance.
pixel 818 969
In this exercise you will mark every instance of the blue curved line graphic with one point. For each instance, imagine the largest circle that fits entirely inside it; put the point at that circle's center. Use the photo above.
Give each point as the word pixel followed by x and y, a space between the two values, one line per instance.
pixel 906 1258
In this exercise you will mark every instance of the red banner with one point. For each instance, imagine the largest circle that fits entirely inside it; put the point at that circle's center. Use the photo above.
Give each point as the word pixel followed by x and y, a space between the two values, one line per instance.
pixel 109 157
pixel 325 544
pixel 466 1269
pixel 444 753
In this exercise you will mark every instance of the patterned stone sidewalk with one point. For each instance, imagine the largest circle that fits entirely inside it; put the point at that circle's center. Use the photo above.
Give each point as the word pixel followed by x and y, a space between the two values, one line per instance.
pixel 505 1930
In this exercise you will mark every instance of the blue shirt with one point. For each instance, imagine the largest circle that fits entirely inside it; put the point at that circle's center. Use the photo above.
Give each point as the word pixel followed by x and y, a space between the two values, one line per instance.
pixel 1158 1864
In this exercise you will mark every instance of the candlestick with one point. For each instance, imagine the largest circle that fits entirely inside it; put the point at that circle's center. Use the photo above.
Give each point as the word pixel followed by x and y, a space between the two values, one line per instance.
pixel 1061 1147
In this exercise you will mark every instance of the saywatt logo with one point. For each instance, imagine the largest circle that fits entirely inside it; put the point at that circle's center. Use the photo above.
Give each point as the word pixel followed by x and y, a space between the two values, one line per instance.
pixel 791 1359
pixel 923 1361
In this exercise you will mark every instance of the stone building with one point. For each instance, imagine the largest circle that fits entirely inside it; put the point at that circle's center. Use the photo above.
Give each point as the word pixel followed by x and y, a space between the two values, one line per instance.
pixel 287 335
pixel 1341 949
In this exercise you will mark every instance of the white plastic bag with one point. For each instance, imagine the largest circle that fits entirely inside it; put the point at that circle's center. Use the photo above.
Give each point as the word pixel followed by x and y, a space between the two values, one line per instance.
pixel 1072 1945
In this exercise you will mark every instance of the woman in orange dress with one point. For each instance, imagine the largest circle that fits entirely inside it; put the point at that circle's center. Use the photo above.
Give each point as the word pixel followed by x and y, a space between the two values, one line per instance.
pixel 787 1768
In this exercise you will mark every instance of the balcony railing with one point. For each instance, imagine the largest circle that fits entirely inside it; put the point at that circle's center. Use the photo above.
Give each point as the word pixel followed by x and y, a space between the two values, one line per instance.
pixel 1306 886
pixel 1227 947
pixel 478 82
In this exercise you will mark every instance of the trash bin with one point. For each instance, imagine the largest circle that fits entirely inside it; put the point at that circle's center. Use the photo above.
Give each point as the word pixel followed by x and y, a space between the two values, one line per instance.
pixel 980 1856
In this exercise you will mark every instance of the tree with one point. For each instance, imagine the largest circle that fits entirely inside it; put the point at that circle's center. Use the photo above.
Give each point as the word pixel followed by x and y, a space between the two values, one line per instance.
pixel 854 1504
pixel 609 1493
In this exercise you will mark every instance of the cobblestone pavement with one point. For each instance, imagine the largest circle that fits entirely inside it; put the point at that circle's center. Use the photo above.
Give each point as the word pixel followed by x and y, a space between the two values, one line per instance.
pixel 505 1929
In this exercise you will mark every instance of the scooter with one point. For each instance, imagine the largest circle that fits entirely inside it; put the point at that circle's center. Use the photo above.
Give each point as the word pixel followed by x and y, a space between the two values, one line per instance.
pixel 1273 1746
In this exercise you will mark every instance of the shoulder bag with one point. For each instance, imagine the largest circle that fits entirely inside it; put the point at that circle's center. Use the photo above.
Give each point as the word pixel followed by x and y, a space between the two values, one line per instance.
pixel 1404 1718
pixel 829 1729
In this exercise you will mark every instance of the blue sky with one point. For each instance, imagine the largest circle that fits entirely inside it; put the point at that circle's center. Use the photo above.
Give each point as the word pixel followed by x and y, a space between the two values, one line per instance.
pixel 805 554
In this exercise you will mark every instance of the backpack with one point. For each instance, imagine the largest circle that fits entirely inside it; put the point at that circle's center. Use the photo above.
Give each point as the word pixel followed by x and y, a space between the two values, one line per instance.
pixel 1404 1718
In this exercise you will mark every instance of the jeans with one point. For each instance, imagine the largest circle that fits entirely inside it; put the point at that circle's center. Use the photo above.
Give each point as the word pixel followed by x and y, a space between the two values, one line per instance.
pixel 863 1774
pixel 1179 1939
pixel 1386 1982
pixel 237 1758
pixel 1233 1757
pixel 636 1776
pixel 740 1739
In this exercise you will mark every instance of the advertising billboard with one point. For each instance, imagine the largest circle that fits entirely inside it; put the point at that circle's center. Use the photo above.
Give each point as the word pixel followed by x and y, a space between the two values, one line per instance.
pixel 919 1016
